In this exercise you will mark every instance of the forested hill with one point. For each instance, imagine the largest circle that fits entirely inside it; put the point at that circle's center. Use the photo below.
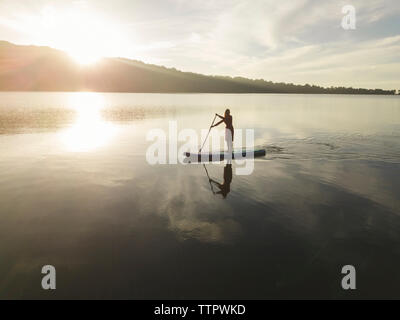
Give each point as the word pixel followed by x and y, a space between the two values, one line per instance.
pixel 32 68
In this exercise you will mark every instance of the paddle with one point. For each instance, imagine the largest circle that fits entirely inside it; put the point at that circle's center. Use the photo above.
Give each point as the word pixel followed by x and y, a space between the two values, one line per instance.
pixel 208 133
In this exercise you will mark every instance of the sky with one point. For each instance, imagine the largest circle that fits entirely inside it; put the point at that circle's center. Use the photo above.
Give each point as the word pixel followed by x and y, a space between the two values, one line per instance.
pixel 294 41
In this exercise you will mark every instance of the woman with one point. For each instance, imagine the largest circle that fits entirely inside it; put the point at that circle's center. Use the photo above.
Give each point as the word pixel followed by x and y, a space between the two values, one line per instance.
pixel 229 131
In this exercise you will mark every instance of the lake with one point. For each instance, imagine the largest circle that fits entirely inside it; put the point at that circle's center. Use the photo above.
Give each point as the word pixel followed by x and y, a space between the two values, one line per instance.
pixel 77 192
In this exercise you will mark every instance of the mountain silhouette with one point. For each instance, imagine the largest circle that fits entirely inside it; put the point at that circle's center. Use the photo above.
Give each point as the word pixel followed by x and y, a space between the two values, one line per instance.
pixel 35 68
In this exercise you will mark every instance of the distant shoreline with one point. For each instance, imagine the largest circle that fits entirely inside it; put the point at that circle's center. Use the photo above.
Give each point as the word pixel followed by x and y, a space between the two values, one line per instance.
pixel 43 69
pixel 240 93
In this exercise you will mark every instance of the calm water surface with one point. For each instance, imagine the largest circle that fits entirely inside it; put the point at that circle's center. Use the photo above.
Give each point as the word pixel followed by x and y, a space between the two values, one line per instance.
pixel 77 192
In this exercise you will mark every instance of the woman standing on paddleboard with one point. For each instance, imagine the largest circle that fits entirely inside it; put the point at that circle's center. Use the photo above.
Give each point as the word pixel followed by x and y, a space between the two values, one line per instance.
pixel 229 131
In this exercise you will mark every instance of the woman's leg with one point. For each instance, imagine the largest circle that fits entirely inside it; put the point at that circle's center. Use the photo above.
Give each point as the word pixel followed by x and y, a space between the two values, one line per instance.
pixel 229 141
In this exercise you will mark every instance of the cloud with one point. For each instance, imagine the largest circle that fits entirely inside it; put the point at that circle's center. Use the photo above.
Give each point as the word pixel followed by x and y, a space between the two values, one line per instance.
pixel 293 41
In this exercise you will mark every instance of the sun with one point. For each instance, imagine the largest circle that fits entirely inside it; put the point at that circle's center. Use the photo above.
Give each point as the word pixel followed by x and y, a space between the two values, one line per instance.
pixel 84 57
pixel 86 35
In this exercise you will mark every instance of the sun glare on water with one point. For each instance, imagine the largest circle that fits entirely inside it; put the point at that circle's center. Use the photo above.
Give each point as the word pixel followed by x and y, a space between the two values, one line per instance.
pixel 89 131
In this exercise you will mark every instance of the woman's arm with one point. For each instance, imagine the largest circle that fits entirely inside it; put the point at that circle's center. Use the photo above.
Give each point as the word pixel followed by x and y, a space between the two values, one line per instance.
pixel 221 117
pixel 218 123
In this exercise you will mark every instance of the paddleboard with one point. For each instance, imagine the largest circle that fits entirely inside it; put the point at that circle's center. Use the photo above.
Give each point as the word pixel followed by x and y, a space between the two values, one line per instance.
pixel 220 156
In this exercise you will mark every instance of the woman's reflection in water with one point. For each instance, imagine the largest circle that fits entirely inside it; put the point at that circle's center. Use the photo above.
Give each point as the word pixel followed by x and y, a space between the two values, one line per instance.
pixel 225 187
